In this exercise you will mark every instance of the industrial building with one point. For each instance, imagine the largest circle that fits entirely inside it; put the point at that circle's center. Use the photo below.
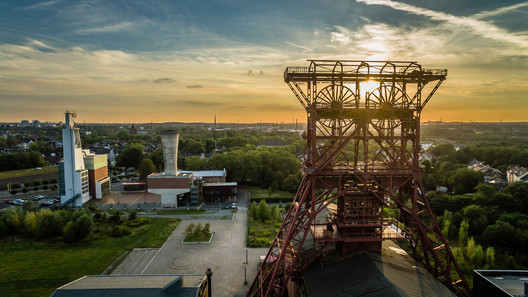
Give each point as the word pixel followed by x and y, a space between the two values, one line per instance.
pixel 500 283
pixel 187 188
pixel 136 285
pixel 82 174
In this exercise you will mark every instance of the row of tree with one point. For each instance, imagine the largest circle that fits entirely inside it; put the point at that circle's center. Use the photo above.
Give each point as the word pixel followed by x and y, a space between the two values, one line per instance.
pixel 45 224
pixel 262 212
pixel 21 160
pixel 492 218
pixel 275 167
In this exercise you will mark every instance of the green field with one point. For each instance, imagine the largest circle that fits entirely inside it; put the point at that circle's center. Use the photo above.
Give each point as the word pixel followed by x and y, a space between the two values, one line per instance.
pixel 30 268
pixel 28 172
pixel 257 192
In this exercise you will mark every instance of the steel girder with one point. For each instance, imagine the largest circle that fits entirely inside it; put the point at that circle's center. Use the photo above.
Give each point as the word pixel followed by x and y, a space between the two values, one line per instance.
pixel 362 146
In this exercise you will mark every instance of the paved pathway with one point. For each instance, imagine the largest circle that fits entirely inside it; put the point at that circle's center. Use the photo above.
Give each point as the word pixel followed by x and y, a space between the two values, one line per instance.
pixel 225 255
pixel 136 261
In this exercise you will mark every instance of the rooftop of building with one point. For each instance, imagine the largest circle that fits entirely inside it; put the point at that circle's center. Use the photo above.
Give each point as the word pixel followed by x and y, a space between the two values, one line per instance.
pixel 512 282
pixel 206 173
pixel 163 175
pixel 393 273
pixel 132 285
pixel 231 184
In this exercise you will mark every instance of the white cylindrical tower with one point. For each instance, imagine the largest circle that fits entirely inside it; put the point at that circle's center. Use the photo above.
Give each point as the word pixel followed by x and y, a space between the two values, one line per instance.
pixel 169 142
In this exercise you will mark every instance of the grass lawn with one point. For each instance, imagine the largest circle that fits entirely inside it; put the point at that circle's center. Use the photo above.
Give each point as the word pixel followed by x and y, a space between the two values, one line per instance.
pixel 28 172
pixel 30 268
pixel 182 212
pixel 257 192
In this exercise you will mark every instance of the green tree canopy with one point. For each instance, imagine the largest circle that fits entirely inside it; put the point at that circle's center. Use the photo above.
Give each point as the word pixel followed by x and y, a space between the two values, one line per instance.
pixel 131 156
pixel 146 167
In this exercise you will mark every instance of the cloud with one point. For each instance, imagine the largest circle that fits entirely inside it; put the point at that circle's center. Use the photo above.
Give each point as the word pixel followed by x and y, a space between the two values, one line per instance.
pixel 194 87
pixel 250 72
pixel 477 27
pixel 46 4
pixel 123 26
pixel 199 103
pixel 499 11
pixel 299 46
pixel 165 80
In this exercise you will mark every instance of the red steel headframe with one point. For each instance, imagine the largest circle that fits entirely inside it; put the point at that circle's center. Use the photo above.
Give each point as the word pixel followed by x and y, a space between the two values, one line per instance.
pixel 362 155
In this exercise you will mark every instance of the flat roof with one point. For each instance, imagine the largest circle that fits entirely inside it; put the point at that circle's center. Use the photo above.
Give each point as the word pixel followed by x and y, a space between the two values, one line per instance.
pixel 510 281
pixel 121 282
pixel 207 173
pixel 163 175
pixel 233 184
pixel 133 286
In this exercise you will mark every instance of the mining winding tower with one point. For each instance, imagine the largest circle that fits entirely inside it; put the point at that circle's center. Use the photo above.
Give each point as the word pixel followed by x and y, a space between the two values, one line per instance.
pixel 362 156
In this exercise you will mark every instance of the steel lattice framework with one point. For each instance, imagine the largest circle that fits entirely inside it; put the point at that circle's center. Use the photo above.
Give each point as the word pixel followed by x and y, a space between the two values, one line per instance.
pixel 362 155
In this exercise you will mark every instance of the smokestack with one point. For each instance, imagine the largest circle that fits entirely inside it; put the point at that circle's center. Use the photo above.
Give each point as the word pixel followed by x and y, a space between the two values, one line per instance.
pixel 169 142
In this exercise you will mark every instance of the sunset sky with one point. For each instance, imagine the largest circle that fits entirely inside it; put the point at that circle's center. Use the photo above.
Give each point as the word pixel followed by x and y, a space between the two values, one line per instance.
pixel 186 61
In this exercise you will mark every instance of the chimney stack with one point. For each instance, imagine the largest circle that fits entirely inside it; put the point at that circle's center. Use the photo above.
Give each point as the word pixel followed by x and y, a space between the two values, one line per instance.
pixel 169 142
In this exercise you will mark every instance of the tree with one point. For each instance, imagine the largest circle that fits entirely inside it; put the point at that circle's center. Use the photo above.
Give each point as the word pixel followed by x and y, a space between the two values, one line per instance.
pixel 131 156
pixel 463 233
pixel 490 257
pixel 195 163
pixel 253 210
pixel 190 228
pixel 263 211
pixel 146 167
pixel 205 229
pixel 31 223
pixel 210 145
pixel 157 158
pixel 275 214
pixel 464 180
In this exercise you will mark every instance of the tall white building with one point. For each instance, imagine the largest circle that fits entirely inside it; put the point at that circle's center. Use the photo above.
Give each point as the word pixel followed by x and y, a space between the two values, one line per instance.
pixel 73 176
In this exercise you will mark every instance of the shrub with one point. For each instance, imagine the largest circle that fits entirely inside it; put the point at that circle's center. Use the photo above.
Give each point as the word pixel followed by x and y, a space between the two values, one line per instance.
pixel 45 187
pixel 15 186
pixel 30 221
pixel 263 241
pixel 45 181
pixel 190 228
pixel 3 229
pixel 197 229
pixel 138 222
pixel 266 233
pixel 205 230
pixel 275 215
pixel 132 215
pixel 53 187
pixel 37 182
pixel 24 190
pixel 69 232
pixel 116 216
pixel 277 224
pixel 13 192
pixel 13 219
pixel 46 224
pixel 53 180
pixel 251 232
pixel 268 222
pixel 35 188
pixel 118 231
